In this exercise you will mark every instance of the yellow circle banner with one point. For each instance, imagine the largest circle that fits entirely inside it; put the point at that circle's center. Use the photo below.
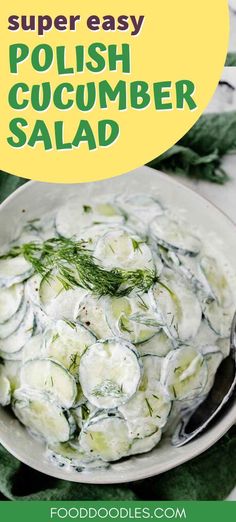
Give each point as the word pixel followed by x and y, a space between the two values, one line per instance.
pixel 90 90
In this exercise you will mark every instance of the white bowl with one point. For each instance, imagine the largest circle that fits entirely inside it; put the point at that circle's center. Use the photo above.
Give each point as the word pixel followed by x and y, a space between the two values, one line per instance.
pixel 32 200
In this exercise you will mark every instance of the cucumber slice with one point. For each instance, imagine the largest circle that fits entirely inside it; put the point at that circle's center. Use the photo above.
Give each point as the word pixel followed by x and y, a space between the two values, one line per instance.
pixel 32 288
pixel 14 270
pixel 34 348
pixel 66 305
pixel 84 412
pixel 174 236
pixel 120 249
pixel 178 307
pixel 106 437
pixel 10 301
pixel 223 344
pixel 105 373
pixel 187 267
pixel 143 422
pixel 27 236
pixel 91 314
pixel 169 258
pixel 51 377
pixel 50 288
pixel 152 367
pixel 66 455
pixel 217 281
pixel 91 235
pixel 140 210
pixel 190 269
pixel 42 321
pixel 15 342
pixel 132 318
pixel 158 345
pixel 42 416
pixel 11 371
pixel 184 373
pixel 66 344
pixel 74 216
pixel 148 410
pixel 145 445
pixel 12 357
pixel 219 319
pixel 10 326
pixel 57 302
pixel 213 358
pixel 41 228
pixel 5 390
pixel 204 337
pixel 143 206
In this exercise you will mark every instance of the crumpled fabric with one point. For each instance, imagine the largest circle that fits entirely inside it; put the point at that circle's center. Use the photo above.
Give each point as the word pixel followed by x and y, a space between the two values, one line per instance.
pixel 211 476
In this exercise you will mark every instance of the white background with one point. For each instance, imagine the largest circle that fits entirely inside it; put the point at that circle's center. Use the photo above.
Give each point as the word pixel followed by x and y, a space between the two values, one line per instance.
pixel 232 43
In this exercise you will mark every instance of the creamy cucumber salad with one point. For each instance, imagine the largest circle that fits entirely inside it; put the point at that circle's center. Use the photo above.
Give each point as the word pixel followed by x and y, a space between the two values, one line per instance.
pixel 115 314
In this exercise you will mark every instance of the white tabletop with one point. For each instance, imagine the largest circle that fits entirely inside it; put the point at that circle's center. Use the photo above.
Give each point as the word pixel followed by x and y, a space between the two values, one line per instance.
pixel 232 41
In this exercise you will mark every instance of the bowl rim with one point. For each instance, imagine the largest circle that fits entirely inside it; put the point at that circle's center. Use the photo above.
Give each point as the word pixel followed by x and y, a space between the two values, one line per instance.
pixel 198 446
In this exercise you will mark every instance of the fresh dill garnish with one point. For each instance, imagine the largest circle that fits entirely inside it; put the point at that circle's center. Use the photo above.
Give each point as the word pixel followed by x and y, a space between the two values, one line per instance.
pixel 176 369
pixel 142 303
pixel 33 225
pixel 174 392
pixel 87 209
pixel 149 407
pixel 136 244
pixel 108 389
pixel 172 294
pixel 36 220
pixel 70 323
pixel 75 265
pixel 74 361
pixel 49 381
pixel 148 320
pixel 85 411
pixel 155 397
pixel 55 337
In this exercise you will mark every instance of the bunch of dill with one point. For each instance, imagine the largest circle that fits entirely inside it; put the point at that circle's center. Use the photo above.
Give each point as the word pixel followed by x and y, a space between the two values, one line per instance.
pixel 74 265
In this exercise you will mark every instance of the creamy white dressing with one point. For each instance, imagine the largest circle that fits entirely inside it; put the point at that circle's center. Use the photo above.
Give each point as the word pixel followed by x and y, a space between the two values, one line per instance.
pixel 99 371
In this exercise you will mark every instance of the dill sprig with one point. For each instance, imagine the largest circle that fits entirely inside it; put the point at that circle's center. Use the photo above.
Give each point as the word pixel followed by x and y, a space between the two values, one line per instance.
pixel 75 265
pixel 108 389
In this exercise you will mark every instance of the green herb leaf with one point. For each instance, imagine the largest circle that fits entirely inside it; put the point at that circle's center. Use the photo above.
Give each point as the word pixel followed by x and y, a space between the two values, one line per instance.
pixel 87 209
pixel 149 407
pixel 231 60
pixel 198 154
pixel 75 266
pixel 108 389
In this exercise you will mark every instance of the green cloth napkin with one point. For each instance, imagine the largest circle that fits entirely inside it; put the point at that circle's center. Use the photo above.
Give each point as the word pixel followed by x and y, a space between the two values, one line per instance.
pixel 211 476
pixel 231 60
pixel 8 184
